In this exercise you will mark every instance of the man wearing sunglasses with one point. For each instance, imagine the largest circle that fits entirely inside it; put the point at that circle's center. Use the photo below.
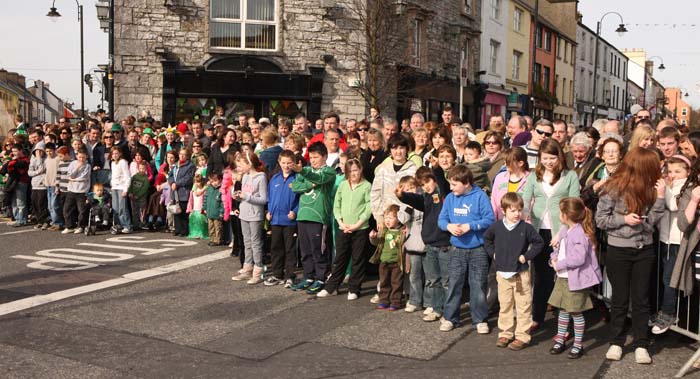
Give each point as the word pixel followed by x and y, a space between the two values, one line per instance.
pixel 543 129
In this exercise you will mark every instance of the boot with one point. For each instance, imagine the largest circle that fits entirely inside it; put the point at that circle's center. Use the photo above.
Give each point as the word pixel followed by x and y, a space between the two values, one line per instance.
pixel 244 273
pixel 257 276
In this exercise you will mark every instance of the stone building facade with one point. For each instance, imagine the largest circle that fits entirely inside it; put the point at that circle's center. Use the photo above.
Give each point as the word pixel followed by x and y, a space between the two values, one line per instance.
pixel 182 58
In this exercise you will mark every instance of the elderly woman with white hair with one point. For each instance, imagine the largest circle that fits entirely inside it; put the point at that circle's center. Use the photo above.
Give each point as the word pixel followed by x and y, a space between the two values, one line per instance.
pixel 581 156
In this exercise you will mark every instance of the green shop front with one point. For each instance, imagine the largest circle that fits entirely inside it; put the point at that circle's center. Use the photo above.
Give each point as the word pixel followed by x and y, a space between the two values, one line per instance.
pixel 257 86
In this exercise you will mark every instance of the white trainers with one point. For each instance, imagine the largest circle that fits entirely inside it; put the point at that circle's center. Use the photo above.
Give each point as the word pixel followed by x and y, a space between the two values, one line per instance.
pixel 374 299
pixel 352 296
pixel 614 353
pixel 288 283
pixel 428 311
pixel 482 328
pixel 78 230
pixel 641 355
pixel 431 317
pixel 324 293
pixel 67 231
pixel 410 308
pixel 446 326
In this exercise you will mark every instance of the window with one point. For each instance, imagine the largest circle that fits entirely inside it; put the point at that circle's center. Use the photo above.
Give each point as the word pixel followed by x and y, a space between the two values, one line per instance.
pixel 548 40
pixel 416 42
pixel 566 51
pixel 515 71
pixel 583 48
pixel 592 48
pixel 493 55
pixel 559 47
pixel 545 79
pixel 538 37
pixel 517 19
pixel 684 111
pixel 537 74
pixel 496 9
pixel 243 24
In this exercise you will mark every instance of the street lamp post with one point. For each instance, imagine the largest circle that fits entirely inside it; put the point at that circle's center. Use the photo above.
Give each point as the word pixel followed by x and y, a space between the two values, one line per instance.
pixel 54 15
pixel 621 30
pixel 678 95
pixel 105 14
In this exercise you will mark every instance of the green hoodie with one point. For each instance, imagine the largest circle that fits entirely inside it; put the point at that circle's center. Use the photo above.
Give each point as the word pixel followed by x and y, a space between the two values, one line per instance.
pixel 352 205
pixel 316 189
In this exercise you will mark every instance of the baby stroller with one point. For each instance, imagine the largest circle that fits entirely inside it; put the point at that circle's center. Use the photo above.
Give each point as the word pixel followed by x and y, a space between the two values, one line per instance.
pixel 100 216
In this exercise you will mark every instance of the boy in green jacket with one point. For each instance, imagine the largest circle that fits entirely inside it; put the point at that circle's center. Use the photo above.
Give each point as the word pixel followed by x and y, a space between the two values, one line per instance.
pixel 138 193
pixel 315 184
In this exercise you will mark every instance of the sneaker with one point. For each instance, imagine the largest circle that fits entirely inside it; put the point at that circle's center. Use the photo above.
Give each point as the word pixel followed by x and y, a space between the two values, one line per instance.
pixel 272 281
pixel 302 285
pixel 374 299
pixel 315 288
pixel 97 219
pixel 483 328
pixel 78 230
pixel 641 356
pixel 393 308
pixel 37 226
pixel 446 326
pixel 663 323
pixel 382 306
pixel 105 223
pixel 324 293
pixel 67 231
pixel 432 317
pixel 352 296
pixel 410 308
pixel 288 283
pixel 614 353
pixel 427 311
pixel 54 228
pixel 126 231
pixel 44 226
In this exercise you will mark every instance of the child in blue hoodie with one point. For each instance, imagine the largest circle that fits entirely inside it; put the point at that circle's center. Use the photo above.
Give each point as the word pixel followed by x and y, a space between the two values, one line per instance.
pixel 466 214
pixel 282 208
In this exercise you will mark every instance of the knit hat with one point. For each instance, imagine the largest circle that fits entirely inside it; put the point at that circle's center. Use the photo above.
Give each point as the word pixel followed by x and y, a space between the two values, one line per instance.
pixel 116 127
pixel 635 109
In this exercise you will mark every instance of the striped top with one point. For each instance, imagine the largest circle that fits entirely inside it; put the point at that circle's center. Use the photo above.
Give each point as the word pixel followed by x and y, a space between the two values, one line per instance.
pixel 62 175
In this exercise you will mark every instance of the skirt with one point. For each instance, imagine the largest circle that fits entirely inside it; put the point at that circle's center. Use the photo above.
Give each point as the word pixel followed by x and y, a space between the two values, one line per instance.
pixel 570 301
pixel 199 227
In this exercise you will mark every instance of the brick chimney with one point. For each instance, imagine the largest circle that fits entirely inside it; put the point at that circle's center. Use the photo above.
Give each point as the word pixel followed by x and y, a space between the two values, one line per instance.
pixel 13 77
pixel 3 75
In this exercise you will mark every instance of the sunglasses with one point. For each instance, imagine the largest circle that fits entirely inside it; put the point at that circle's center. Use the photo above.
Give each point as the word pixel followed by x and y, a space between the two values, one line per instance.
pixel 542 132
pixel 362 129
pixel 107 137
pixel 491 143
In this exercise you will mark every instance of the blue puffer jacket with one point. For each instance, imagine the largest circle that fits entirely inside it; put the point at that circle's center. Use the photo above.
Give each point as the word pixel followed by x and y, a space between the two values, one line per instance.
pixel 281 199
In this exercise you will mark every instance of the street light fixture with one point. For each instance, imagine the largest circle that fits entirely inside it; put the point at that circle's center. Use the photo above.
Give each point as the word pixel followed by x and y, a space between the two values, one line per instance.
pixel 105 14
pixel 621 30
pixel 53 16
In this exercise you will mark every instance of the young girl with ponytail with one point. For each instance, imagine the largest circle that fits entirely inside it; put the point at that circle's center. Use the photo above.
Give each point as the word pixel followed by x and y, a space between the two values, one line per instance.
pixel 577 269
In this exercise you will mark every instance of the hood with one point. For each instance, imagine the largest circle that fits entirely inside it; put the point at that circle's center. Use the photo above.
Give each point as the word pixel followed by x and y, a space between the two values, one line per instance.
pixel 39 146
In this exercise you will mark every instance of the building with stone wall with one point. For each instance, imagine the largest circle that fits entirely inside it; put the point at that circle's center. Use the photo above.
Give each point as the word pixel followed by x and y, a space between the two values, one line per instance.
pixel 180 59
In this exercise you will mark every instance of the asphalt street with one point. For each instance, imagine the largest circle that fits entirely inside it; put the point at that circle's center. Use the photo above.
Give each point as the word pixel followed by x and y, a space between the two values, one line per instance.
pixel 150 305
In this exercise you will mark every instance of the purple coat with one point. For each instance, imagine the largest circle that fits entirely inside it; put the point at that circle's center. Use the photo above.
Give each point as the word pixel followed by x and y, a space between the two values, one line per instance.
pixel 580 263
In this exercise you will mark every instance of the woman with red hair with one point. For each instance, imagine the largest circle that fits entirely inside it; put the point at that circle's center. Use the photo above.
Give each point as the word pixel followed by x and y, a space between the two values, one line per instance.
pixel 631 203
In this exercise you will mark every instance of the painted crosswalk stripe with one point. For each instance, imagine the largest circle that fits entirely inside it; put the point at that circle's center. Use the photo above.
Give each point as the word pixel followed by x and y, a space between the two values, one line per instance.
pixel 35 301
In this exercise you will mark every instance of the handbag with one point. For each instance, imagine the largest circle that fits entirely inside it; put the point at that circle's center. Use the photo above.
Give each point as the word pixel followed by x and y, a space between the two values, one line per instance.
pixel 174 207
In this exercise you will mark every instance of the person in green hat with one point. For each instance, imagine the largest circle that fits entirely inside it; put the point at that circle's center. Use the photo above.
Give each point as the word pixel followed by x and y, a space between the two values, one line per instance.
pixel 118 133
pixel 147 139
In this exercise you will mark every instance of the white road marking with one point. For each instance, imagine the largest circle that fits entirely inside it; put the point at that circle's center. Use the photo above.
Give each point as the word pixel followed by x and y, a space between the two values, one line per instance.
pixel 19 231
pixel 37 300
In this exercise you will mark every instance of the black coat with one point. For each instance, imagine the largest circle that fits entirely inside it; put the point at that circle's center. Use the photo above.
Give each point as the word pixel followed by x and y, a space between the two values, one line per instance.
pixel 218 160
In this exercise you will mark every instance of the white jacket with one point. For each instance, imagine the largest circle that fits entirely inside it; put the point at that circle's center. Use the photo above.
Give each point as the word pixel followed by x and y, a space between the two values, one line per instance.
pixel 669 233
pixel 121 176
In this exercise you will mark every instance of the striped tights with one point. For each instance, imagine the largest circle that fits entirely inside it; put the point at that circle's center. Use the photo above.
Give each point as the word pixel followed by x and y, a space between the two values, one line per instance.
pixel 563 325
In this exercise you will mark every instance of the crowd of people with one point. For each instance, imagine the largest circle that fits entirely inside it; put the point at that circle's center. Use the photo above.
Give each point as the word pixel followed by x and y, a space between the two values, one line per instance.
pixel 553 211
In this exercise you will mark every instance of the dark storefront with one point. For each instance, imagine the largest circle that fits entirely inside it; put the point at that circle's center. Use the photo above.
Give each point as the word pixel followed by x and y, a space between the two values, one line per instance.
pixel 240 83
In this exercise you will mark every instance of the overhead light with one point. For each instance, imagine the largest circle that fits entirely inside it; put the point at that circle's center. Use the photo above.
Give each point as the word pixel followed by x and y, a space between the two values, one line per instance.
pixel 621 30
pixel 662 67
pixel 102 9
pixel 53 14
pixel 686 94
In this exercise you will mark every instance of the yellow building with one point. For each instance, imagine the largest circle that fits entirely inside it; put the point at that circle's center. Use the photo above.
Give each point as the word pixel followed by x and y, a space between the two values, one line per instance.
pixel 564 78
pixel 9 107
pixel 517 52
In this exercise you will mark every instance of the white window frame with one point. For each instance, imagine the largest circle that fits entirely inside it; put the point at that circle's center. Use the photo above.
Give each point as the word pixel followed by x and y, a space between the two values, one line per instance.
pixel 243 21
pixel 515 66
pixel 684 111
pixel 518 19
pixel 493 57
pixel 496 9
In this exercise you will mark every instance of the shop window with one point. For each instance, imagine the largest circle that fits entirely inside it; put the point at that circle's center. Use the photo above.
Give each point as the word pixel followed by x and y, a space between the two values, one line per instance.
pixel 243 24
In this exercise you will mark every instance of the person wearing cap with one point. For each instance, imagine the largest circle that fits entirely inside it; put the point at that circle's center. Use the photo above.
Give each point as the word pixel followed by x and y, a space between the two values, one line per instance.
pixel 134 146
pixel 118 133
pixel 147 140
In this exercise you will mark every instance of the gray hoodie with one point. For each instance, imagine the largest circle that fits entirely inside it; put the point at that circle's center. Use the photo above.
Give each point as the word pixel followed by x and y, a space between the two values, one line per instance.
pixel 610 216
pixel 37 168
pixel 254 192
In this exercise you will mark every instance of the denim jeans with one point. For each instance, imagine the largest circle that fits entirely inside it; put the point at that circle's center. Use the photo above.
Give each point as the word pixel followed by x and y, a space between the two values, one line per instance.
pixel 19 204
pixel 435 267
pixel 668 260
pixel 121 209
pixel 55 211
pixel 474 265
pixel 415 277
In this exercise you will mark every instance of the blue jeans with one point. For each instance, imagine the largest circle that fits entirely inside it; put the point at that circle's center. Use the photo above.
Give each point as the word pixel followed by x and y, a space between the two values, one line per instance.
pixel 19 203
pixel 121 209
pixel 668 260
pixel 473 263
pixel 54 206
pixel 415 277
pixel 435 267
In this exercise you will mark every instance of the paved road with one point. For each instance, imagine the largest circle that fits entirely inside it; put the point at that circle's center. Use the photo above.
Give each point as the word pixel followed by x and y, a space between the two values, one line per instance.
pixel 152 315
